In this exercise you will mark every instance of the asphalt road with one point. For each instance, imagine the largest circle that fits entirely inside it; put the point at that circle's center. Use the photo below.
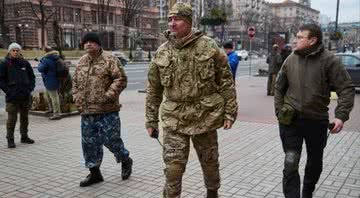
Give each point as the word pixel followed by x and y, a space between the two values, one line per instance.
pixel 137 74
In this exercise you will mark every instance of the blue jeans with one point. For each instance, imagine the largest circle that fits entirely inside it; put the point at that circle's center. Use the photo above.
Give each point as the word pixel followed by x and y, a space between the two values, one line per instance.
pixel 98 130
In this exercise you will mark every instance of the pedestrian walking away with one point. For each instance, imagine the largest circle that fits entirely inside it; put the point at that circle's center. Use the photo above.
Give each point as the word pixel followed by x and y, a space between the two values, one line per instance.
pixel 17 80
pixel 302 96
pixel 192 74
pixel 275 61
pixel 233 58
pixel 48 68
pixel 98 80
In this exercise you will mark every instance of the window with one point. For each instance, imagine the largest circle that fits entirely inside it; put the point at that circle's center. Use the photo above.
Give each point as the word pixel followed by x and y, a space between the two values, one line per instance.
pixel 78 15
pixel 111 18
pixel 68 14
pixel 94 17
pixel 350 61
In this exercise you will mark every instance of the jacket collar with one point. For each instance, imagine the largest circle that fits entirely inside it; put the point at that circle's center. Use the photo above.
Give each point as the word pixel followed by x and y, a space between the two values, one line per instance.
pixel 183 42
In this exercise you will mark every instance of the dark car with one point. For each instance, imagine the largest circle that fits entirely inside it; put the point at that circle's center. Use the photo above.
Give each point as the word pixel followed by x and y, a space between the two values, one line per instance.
pixel 121 57
pixel 352 65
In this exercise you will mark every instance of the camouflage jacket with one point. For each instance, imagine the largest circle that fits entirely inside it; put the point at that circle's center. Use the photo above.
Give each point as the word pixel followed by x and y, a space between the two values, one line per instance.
pixel 97 84
pixel 195 79
pixel 305 83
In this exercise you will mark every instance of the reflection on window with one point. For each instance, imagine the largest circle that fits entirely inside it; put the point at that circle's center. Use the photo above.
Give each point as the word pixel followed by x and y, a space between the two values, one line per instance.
pixel 350 61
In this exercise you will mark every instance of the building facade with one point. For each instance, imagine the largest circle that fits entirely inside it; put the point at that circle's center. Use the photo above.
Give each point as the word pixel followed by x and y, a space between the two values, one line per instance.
pixel 75 18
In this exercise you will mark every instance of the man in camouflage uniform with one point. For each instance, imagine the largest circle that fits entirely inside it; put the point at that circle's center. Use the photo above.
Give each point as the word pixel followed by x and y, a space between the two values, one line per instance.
pixel 98 80
pixel 191 73
pixel 302 93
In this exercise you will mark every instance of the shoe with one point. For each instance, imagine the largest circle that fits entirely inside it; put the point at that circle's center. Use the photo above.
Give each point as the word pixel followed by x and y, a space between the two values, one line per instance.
pixel 27 140
pixel 126 169
pixel 307 191
pixel 55 117
pixel 212 194
pixel 11 143
pixel 93 178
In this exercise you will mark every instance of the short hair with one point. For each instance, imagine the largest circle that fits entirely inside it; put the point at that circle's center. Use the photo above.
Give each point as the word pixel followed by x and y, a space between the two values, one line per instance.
pixel 314 31
pixel 228 45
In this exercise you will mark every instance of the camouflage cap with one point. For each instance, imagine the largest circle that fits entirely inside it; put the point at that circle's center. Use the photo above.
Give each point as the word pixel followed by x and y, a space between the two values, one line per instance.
pixel 183 10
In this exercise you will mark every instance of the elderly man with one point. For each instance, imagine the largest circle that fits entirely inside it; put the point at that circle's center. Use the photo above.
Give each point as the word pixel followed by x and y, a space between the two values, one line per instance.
pixel 191 73
pixel 98 80
pixel 17 80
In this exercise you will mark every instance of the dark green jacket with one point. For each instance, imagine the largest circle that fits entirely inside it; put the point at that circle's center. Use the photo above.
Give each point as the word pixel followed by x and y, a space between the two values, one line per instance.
pixel 305 83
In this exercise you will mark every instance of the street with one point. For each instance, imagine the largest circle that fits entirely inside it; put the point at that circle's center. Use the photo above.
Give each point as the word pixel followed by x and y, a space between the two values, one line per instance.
pixel 137 74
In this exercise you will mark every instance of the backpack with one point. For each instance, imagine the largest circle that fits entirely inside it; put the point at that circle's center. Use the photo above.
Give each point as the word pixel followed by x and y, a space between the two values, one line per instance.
pixel 62 70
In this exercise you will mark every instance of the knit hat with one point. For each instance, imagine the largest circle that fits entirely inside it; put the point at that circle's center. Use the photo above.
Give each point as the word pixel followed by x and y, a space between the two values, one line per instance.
pixel 91 36
pixel 228 45
pixel 182 10
pixel 13 46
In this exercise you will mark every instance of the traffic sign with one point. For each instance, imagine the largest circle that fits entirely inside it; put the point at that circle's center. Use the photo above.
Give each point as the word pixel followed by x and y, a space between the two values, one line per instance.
pixel 251 32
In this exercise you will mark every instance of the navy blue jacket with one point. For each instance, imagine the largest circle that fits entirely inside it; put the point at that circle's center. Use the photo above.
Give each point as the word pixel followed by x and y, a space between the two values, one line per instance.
pixel 47 68
pixel 17 79
pixel 233 60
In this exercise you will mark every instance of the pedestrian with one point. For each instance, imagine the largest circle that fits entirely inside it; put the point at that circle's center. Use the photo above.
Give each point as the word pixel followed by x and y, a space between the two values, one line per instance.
pixel 275 62
pixel 98 80
pixel 191 73
pixel 302 94
pixel 285 52
pixel 233 58
pixel 17 80
pixel 48 68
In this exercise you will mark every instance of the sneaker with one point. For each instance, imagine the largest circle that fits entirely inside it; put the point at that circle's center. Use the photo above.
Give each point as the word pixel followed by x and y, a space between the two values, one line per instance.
pixel 126 169
pixel 55 117
pixel 27 140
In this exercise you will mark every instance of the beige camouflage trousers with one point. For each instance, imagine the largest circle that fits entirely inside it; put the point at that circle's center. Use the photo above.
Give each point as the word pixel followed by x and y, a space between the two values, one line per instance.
pixel 176 153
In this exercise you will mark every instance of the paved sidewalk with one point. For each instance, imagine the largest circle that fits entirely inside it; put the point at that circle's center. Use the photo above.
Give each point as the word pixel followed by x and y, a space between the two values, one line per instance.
pixel 251 156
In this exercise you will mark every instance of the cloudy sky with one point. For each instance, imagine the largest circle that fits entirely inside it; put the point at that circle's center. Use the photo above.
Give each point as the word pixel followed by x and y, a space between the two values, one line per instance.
pixel 349 10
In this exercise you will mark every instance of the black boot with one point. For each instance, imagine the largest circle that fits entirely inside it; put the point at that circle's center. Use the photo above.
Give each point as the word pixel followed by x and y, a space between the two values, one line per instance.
pixel 11 143
pixel 212 194
pixel 27 140
pixel 307 192
pixel 93 178
pixel 126 169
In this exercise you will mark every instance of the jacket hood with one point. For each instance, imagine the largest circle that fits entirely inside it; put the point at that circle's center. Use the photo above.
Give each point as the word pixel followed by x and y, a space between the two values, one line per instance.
pixel 52 53
pixel 181 43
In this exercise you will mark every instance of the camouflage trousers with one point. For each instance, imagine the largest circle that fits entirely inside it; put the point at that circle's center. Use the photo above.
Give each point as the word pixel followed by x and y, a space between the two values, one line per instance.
pixel 13 108
pixel 176 153
pixel 98 130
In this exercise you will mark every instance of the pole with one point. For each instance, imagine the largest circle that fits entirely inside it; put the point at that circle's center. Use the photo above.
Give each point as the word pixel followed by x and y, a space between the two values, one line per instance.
pixel 250 58
pixel 336 23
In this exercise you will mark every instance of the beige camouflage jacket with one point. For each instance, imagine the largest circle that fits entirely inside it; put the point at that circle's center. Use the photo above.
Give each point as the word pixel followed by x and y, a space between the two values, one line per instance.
pixel 97 84
pixel 196 82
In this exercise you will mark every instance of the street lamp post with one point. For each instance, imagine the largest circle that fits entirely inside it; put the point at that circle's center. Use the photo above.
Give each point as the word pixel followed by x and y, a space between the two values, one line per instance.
pixel 23 27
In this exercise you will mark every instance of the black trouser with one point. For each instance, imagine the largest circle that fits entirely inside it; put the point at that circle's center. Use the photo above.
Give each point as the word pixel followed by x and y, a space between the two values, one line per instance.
pixel 314 132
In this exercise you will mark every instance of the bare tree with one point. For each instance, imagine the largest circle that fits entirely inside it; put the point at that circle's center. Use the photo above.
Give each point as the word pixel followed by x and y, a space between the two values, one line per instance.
pixel 4 29
pixel 42 13
pixel 131 8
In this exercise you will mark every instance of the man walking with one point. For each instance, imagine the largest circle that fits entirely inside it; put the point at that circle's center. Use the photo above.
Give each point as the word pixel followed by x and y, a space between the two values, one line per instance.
pixel 302 94
pixel 47 68
pixel 98 81
pixel 275 62
pixel 191 73
pixel 17 80
pixel 233 58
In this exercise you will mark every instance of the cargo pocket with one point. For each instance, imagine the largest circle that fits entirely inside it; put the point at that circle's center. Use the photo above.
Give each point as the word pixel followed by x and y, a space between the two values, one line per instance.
pixel 206 67
pixel 165 68
pixel 168 115
pixel 286 114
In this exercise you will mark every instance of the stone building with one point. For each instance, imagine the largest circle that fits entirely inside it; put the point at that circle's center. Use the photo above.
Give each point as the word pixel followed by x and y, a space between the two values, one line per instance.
pixel 75 18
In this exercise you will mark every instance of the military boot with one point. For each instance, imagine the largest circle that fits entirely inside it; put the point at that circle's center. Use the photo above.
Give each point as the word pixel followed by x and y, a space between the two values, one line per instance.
pixel 11 143
pixel 26 140
pixel 93 178
pixel 307 192
pixel 212 194
pixel 126 169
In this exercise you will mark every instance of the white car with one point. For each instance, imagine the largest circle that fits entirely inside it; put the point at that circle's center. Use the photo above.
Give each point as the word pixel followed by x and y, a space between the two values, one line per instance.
pixel 243 54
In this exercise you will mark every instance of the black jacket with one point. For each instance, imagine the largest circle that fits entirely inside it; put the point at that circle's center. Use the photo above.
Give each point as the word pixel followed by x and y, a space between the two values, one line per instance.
pixel 17 79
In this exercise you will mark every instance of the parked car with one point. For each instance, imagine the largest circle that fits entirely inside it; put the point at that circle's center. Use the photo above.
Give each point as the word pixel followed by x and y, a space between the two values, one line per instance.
pixel 121 56
pixel 351 62
pixel 243 54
